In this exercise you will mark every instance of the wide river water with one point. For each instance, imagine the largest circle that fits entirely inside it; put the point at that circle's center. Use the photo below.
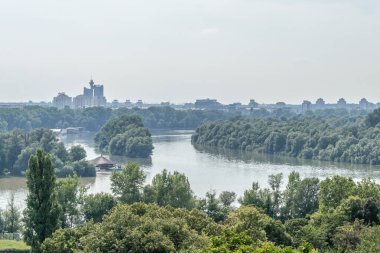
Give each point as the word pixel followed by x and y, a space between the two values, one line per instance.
pixel 206 169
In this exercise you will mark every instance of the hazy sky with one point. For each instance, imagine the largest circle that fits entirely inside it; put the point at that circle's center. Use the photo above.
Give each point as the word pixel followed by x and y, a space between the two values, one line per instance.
pixel 176 50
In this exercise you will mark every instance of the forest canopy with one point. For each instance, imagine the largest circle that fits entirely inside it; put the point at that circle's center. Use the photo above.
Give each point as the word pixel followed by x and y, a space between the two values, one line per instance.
pixel 332 138
pixel 17 146
pixel 125 136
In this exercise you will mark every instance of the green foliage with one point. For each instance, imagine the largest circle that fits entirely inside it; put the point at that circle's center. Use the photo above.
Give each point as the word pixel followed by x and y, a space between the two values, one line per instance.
pixel 138 228
pixel 230 242
pixel 214 207
pixel 95 206
pixel 373 118
pixel 17 146
pixel 66 240
pixel 42 210
pixel 301 197
pixel 2 221
pixel 11 217
pixel 77 153
pixel 227 198
pixel 347 237
pixel 369 241
pixel 70 196
pixel 170 189
pixel 125 136
pixel 334 190
pixel 259 226
pixel 93 118
pixel 330 138
pixel 127 184
pixel 215 226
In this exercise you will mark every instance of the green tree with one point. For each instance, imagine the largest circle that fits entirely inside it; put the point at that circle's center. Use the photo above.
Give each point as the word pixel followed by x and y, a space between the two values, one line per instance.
pixel 213 207
pixel 301 197
pixel 230 242
pixel 275 184
pixel 97 205
pixel 347 237
pixel 170 189
pixel 255 196
pixel 373 118
pixel 21 163
pixel 12 216
pixel 3 126
pixel 70 196
pixel 77 153
pixel 369 240
pixel 258 225
pixel 138 228
pixel 42 212
pixel 16 144
pixel 67 240
pixel 2 221
pixel 61 152
pixel 127 184
pixel 227 198
pixel 334 190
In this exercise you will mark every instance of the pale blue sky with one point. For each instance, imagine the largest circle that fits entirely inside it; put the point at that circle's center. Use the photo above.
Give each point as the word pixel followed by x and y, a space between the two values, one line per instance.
pixel 176 50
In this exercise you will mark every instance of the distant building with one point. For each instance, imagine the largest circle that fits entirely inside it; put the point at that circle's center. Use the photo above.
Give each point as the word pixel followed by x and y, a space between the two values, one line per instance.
pixel 189 105
pixel 115 103
pixel 320 103
pixel 62 100
pixel 93 96
pixel 139 103
pixel 342 103
pixel 306 105
pixel 363 103
pixel 207 104
pixel 234 107
pixel 253 104
pixel 128 103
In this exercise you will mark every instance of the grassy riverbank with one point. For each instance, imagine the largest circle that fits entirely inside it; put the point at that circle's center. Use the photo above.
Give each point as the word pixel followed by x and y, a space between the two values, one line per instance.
pixel 13 246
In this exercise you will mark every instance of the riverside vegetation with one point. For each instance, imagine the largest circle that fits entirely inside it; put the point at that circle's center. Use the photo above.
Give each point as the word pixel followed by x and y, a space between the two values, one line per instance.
pixel 92 119
pixel 331 138
pixel 18 145
pixel 125 136
pixel 309 215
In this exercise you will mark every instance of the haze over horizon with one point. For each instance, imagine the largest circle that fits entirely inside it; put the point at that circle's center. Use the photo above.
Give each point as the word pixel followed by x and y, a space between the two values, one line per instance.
pixel 178 51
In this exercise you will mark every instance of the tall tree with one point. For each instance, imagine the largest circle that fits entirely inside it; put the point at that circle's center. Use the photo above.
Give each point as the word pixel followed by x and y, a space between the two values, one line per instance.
pixel 77 153
pixel 12 216
pixel 42 212
pixel 170 189
pixel 95 206
pixel 70 195
pixel 128 183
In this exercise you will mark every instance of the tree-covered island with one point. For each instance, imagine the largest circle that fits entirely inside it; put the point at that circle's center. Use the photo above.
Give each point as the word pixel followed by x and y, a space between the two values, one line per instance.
pixel 125 136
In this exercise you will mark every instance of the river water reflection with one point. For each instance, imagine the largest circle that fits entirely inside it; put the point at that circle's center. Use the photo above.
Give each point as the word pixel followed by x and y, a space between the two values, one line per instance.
pixel 206 168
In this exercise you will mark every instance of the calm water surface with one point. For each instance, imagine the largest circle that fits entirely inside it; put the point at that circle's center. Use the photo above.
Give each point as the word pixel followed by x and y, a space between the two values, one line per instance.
pixel 206 168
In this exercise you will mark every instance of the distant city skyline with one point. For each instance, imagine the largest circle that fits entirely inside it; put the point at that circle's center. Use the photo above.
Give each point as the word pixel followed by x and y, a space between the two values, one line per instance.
pixel 179 51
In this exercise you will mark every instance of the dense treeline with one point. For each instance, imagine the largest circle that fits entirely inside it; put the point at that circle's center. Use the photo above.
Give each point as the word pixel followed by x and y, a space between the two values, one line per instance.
pixel 125 136
pixel 92 119
pixel 333 215
pixel 17 146
pixel 333 138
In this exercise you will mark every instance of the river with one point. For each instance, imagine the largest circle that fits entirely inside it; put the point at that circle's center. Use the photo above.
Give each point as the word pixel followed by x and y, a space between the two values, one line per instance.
pixel 206 169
